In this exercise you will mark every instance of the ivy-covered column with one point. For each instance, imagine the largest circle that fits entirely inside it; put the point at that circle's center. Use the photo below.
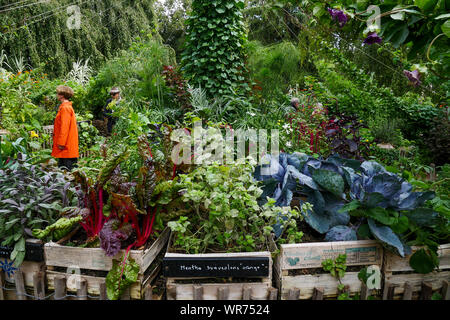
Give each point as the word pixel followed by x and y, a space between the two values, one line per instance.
pixel 214 54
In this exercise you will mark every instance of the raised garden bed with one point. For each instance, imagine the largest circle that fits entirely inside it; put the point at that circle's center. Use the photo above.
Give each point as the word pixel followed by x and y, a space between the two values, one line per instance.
pixel 402 282
pixel 219 276
pixel 298 269
pixel 29 275
pixel 92 265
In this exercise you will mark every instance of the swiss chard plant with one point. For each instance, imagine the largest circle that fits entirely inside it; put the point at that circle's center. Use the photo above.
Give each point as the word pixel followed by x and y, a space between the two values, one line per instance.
pixel 31 198
pixel 354 200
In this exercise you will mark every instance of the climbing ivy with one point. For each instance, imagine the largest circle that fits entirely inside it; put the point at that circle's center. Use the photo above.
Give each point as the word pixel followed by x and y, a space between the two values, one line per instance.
pixel 39 33
pixel 214 53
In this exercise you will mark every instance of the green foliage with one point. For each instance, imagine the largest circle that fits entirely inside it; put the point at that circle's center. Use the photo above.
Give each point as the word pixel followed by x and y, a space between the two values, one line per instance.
pixel 437 140
pixel 88 137
pixel 137 72
pixel 419 27
pixel 214 48
pixel 57 230
pixel 224 213
pixel 386 131
pixel 30 198
pixel 106 27
pixel 336 267
pixel 121 276
pixel 274 68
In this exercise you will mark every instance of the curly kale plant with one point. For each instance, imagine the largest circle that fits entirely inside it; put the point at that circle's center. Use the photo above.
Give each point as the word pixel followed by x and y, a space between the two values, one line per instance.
pixel 352 199
pixel 30 198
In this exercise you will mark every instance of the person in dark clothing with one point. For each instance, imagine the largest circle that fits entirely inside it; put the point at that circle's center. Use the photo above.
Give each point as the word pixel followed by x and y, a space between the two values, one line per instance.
pixel 107 112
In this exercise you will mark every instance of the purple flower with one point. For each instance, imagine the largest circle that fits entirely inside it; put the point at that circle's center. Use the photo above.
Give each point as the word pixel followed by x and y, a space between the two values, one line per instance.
pixel 372 38
pixel 338 15
pixel 413 77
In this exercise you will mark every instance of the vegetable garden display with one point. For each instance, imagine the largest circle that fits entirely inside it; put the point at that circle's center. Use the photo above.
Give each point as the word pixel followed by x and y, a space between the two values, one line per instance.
pixel 354 206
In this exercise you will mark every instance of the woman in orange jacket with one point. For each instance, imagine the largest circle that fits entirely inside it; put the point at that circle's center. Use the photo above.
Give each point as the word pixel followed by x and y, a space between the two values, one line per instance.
pixel 65 131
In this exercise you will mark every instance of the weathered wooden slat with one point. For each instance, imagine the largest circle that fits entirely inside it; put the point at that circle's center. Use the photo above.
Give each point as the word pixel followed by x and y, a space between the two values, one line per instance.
pixel 294 294
pixel 82 289
pixel 273 293
pixel 416 279
pixel 408 291
pixel 311 255
pixel 389 290
pixel 365 292
pixel 2 284
pixel 246 293
pixel 28 269
pixel 307 283
pixel 126 294
pixel 171 292
pixel 148 292
pixel 151 253
pixel 102 290
pixel 445 291
pixel 60 287
pixel 20 285
pixel 38 285
pixel 223 293
pixel 427 291
pixel 183 291
pixel 198 292
pixel 318 294
pixel 93 284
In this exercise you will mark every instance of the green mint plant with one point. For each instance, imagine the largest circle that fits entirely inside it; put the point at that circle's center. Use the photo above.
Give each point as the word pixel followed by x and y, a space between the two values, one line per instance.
pixel 337 269
pixel 221 211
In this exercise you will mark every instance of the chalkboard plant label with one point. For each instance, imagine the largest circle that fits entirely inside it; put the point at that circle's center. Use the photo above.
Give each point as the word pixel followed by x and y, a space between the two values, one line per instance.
pixel 192 267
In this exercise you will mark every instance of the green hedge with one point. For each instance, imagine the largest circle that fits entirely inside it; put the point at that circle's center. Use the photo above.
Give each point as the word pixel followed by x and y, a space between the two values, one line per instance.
pixel 106 27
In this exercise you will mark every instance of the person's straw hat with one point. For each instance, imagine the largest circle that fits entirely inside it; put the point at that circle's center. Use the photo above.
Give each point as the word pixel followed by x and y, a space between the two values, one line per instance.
pixel 114 90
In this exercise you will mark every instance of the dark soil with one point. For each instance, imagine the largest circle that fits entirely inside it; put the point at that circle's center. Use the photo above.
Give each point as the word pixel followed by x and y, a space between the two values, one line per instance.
pixel 313 271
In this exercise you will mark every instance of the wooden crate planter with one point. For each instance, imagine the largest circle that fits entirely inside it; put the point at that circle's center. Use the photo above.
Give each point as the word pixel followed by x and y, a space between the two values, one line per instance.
pixel 94 265
pixel 402 282
pixel 29 278
pixel 200 276
pixel 295 258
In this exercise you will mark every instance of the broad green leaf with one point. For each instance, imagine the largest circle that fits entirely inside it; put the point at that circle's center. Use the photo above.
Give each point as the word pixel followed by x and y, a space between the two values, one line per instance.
pixel 116 282
pixel 381 215
pixel 330 181
pixel 443 16
pixel 446 28
pixel 398 16
pixel 426 5
pixel 350 206
pixel 401 225
pixel 423 262
pixel 387 237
